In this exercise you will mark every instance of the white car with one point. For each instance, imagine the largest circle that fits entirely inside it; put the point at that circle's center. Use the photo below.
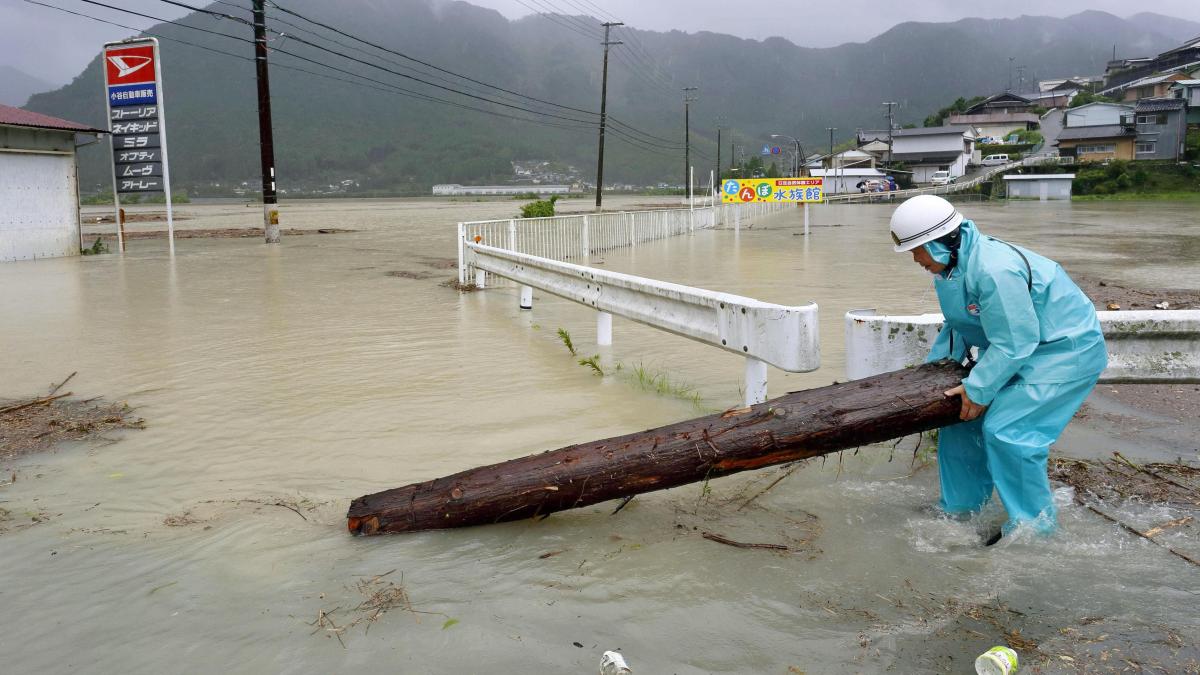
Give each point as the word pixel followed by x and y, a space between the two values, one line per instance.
pixel 941 178
pixel 995 160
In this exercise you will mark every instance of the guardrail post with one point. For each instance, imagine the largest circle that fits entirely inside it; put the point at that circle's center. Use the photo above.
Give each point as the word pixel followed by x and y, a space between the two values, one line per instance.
pixel 526 301
pixel 586 245
pixel 603 329
pixel 806 219
pixel 632 230
pixel 756 381
pixel 462 267
pixel 480 278
pixel 512 235
pixel 737 218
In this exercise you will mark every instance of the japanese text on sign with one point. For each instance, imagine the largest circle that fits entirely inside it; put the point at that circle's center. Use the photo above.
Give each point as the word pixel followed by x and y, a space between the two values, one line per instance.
pixel 777 190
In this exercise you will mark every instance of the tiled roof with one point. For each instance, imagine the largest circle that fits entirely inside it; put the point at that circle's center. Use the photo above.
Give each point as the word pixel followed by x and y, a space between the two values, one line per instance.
pixel 18 117
pixel 1159 104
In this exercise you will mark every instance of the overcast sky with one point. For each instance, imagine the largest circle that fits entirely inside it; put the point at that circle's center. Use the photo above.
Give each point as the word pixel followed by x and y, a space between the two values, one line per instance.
pixel 54 46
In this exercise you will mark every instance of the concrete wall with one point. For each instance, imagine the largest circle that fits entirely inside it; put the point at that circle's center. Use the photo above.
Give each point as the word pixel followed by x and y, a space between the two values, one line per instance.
pixel 39 204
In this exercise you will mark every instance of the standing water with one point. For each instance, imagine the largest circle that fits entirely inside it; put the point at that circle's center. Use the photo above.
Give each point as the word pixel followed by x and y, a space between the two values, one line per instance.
pixel 280 382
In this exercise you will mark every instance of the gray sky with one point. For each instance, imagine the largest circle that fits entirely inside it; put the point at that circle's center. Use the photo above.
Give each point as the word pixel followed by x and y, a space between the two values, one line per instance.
pixel 54 46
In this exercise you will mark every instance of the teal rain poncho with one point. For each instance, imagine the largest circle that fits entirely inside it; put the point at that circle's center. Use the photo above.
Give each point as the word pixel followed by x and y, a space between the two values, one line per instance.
pixel 1041 351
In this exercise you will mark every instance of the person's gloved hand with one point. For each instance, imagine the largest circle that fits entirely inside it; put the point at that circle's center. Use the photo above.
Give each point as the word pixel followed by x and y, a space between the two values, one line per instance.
pixel 970 409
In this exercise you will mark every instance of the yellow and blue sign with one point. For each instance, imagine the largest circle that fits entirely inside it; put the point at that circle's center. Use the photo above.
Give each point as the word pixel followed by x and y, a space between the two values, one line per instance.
pixel 778 190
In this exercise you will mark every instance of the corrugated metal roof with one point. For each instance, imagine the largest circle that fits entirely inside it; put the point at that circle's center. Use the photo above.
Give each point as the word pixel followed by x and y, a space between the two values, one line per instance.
pixel 1159 104
pixel 19 117
pixel 1098 131
pixel 930 131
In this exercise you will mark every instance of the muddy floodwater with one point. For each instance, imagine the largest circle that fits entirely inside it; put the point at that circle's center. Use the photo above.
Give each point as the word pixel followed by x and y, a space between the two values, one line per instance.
pixel 278 383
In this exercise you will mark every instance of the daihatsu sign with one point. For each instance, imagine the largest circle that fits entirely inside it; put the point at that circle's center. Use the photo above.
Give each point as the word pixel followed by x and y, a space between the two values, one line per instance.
pixel 136 124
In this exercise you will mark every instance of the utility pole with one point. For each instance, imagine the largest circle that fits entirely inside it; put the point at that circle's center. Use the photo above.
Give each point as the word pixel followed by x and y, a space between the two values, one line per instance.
pixel 1021 78
pixel 603 112
pixel 891 125
pixel 265 141
pixel 687 134
pixel 732 157
pixel 830 170
pixel 1010 67
pixel 718 151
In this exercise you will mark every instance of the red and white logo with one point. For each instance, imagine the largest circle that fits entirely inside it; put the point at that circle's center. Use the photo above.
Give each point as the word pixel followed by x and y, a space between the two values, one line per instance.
pixel 129 65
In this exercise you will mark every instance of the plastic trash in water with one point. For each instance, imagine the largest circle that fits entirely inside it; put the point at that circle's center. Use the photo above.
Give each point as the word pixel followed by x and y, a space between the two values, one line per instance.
pixel 612 663
pixel 997 661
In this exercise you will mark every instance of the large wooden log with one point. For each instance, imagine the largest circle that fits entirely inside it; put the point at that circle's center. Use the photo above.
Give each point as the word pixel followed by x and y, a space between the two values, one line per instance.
pixel 796 426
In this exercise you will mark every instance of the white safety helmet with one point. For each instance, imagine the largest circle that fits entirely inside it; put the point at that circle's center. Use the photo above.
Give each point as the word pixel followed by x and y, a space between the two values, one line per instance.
pixel 921 220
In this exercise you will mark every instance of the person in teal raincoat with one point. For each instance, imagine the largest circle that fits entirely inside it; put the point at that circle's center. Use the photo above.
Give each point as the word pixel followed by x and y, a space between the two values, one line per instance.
pixel 1040 352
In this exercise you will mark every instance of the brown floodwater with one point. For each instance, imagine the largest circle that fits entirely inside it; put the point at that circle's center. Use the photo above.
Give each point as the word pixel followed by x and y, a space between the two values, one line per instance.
pixel 278 383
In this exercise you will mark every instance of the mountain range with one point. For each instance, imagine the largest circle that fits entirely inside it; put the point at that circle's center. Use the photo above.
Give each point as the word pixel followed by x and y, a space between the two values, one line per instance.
pixel 16 86
pixel 329 129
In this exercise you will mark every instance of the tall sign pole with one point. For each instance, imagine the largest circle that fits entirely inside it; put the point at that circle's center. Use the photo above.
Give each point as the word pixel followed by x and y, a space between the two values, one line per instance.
pixel 137 126
pixel 687 136
pixel 603 113
pixel 266 142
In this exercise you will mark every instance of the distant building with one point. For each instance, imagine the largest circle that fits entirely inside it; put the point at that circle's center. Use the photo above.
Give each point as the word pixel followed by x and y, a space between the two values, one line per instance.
pixel 39 185
pixel 839 180
pixel 1121 73
pixel 857 159
pixel 1152 86
pixel 1039 186
pixel 1161 125
pixel 996 125
pixel 930 149
pixel 456 190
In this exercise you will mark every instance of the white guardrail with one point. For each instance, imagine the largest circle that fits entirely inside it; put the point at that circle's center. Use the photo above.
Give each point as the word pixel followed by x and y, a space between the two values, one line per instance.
pixel 950 188
pixel 763 333
pixel 1153 346
pixel 579 237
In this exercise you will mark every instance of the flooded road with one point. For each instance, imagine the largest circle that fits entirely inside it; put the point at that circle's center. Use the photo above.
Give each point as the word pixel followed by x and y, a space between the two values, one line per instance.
pixel 278 383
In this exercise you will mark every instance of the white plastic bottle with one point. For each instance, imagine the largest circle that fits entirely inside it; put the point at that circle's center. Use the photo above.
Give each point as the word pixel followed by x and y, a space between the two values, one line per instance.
pixel 612 663
pixel 997 661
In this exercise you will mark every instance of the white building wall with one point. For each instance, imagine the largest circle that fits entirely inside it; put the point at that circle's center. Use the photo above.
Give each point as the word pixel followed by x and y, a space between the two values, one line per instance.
pixel 39 206
pixel 1096 115
pixel 928 143
pixel 1044 189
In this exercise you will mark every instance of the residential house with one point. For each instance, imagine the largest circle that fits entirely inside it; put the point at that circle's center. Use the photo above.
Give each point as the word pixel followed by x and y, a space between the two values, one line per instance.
pixel 1097 143
pixel 1161 125
pixel 1184 58
pixel 1006 102
pixel 930 149
pixel 1097 114
pixel 995 125
pixel 1189 91
pixel 876 142
pixel 1153 86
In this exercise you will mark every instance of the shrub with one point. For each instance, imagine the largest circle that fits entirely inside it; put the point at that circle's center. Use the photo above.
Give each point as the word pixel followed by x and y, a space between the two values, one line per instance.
pixel 543 208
